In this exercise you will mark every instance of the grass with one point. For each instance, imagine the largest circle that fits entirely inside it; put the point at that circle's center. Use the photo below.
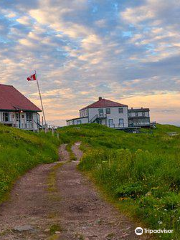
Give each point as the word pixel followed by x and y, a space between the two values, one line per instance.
pixel 52 182
pixel 141 172
pixel 20 151
pixel 55 228
pixel 71 153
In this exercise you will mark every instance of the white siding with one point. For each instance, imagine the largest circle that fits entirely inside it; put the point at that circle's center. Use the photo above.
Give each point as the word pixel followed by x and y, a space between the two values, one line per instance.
pixel 114 115
pixel 77 121
pixel 82 121
pixel 69 122
pixel 14 118
pixel 83 113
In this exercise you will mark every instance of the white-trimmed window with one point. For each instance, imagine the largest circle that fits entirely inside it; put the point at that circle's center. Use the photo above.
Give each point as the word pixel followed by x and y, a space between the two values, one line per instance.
pixel 5 117
pixel 101 112
pixel 120 110
pixel 108 111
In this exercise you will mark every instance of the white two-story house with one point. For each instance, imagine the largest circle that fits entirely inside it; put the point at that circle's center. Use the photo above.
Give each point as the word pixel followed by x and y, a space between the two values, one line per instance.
pixel 16 110
pixel 105 112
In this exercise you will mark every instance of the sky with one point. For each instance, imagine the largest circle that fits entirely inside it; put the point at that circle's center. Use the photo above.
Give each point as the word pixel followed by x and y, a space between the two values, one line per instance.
pixel 123 50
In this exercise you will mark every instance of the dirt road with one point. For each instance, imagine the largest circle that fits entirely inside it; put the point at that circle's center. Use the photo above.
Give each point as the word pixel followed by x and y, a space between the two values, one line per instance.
pixel 55 201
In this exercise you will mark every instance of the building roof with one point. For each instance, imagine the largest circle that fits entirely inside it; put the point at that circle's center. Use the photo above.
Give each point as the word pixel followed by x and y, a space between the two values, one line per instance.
pixel 11 99
pixel 138 110
pixel 104 103
pixel 75 119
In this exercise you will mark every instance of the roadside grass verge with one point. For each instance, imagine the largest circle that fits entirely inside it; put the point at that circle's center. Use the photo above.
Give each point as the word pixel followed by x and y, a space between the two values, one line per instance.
pixel 141 172
pixel 20 151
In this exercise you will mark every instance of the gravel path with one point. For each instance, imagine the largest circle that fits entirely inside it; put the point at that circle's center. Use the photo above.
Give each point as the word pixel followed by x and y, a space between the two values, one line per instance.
pixel 85 215
pixel 55 201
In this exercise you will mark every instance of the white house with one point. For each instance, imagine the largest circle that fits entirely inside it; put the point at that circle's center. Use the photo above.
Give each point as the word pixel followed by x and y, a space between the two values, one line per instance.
pixel 105 112
pixel 16 110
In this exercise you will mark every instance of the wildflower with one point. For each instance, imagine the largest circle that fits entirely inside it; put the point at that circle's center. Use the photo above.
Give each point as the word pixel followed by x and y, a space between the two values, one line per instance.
pixel 160 222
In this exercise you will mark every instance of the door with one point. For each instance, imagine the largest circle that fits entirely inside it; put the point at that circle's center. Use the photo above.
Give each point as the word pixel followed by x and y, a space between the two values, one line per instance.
pixel 111 123
pixel 17 119
pixel 29 120
pixel 121 122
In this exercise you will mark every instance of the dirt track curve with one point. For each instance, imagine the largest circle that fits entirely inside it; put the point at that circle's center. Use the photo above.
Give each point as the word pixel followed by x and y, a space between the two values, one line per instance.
pixel 55 201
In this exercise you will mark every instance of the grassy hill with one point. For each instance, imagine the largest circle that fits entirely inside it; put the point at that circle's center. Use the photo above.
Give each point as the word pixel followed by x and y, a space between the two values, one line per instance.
pixel 21 151
pixel 140 172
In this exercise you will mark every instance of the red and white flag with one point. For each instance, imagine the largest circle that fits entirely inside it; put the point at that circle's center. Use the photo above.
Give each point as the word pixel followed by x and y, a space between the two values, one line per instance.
pixel 32 77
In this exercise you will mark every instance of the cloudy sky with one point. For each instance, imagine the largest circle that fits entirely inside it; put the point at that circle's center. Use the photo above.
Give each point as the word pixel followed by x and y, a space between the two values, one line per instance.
pixel 124 50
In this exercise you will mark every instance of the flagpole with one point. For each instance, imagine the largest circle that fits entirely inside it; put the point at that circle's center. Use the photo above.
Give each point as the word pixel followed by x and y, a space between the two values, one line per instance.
pixel 41 100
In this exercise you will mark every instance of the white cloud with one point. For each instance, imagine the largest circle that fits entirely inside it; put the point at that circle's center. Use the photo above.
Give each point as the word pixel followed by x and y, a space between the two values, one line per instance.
pixel 80 54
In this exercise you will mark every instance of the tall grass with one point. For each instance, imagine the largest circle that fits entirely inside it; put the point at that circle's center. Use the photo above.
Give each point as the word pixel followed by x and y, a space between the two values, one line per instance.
pixel 21 151
pixel 140 171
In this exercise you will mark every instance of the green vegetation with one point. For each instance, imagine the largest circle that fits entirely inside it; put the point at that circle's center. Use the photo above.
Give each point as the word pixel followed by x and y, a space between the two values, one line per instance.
pixel 71 153
pixel 52 182
pixel 55 228
pixel 21 151
pixel 141 172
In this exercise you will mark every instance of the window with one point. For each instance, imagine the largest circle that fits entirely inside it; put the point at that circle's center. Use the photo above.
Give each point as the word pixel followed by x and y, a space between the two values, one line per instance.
pixel 29 117
pixel 121 122
pixel 101 113
pixel 143 114
pixel 108 110
pixel 120 110
pixel 136 114
pixel 5 117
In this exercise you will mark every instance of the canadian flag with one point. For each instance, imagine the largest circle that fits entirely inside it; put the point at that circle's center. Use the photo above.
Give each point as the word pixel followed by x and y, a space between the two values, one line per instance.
pixel 32 77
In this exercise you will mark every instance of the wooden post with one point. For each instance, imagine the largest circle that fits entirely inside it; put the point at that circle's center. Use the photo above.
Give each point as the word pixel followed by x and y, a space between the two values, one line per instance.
pixel 42 121
pixel 58 135
pixel 52 131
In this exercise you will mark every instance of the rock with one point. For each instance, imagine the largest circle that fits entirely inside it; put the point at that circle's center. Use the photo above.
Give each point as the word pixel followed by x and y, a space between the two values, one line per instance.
pixel 23 228
pixel 46 230
pixel 42 236
pixel 57 232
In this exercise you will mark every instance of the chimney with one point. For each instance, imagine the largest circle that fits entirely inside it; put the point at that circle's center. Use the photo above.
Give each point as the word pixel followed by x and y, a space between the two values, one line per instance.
pixel 100 98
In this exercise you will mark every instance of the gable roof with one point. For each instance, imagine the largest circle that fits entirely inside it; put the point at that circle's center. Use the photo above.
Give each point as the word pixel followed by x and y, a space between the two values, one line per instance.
pixel 11 99
pixel 104 103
